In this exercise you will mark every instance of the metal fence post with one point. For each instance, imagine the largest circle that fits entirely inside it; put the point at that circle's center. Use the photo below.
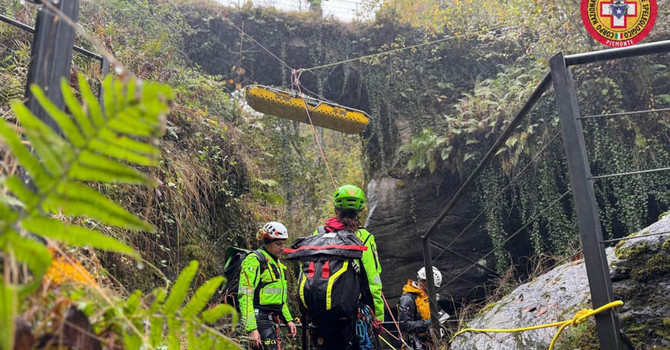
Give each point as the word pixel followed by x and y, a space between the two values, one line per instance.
pixel 432 300
pixel 51 55
pixel 597 270
pixel 104 66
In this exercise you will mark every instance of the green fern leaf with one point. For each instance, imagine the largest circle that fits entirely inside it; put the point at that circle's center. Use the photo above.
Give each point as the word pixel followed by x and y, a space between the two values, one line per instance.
pixel 109 138
pixel 180 288
pixel 156 322
pixel 63 120
pixel 24 157
pixel 35 255
pixel 74 235
pixel 206 342
pixel 156 331
pixel 192 339
pixel 132 341
pixel 76 109
pixel 51 148
pixel 94 167
pixel 91 101
pixel 201 298
pixel 132 304
pixel 174 330
pixel 77 199
pixel 159 297
pixel 214 314
pixel 10 304
pixel 26 196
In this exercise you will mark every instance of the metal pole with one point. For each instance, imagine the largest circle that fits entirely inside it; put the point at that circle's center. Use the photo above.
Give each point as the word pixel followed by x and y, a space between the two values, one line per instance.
pixel 51 55
pixel 597 270
pixel 104 67
pixel 432 301
pixel 537 93
pixel 610 54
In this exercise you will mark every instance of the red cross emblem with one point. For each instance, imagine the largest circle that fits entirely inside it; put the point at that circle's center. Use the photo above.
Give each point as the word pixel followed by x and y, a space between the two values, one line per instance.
pixel 618 12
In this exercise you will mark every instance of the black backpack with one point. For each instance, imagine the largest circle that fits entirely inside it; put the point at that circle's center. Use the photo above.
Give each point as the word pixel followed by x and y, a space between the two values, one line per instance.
pixel 329 285
pixel 234 258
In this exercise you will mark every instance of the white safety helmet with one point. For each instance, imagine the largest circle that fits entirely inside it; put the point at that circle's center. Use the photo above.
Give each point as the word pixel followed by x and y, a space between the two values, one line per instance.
pixel 437 276
pixel 274 230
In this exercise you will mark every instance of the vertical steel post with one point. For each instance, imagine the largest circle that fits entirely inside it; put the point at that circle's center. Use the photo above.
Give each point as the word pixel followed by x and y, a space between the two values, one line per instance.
pixel 432 301
pixel 595 259
pixel 51 55
pixel 104 67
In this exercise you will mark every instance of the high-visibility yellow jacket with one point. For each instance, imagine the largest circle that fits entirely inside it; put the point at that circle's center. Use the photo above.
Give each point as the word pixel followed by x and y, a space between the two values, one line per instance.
pixel 263 288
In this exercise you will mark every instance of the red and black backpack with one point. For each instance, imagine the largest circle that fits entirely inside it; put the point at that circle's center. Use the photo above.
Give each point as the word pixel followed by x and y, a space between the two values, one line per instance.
pixel 330 282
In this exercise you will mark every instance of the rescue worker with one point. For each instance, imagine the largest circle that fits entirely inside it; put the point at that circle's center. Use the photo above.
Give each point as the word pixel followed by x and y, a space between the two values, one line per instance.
pixel 414 311
pixel 263 290
pixel 349 201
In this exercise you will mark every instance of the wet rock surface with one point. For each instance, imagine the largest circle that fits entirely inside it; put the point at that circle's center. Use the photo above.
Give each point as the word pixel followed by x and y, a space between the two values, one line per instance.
pixel 640 270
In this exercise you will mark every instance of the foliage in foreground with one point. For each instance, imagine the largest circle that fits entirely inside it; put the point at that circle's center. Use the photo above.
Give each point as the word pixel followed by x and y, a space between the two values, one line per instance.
pixel 99 144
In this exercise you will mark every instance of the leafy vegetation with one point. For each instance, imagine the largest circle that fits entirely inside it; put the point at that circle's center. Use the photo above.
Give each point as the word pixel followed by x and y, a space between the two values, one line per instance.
pixel 435 108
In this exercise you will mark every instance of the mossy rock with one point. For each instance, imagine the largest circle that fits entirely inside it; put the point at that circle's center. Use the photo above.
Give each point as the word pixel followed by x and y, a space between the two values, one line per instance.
pixel 622 252
pixel 583 336
pixel 657 266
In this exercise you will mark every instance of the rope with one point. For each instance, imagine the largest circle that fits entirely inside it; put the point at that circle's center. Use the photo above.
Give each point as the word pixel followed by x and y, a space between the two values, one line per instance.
pixel 540 213
pixel 580 317
pixel 620 114
pixel 510 183
pixel 387 343
pixel 257 43
pixel 397 326
pixel 295 78
pixel 395 50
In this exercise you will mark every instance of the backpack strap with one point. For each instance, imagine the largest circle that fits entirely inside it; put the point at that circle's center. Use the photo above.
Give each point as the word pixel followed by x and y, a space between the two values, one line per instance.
pixel 321 229
pixel 261 259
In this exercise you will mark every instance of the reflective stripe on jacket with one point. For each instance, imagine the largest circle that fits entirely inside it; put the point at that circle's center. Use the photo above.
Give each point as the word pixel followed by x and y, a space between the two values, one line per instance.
pixel 266 289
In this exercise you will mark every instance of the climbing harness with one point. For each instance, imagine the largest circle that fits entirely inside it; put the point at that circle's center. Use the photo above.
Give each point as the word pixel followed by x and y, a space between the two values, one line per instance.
pixel 367 325
pixel 580 317
pixel 275 320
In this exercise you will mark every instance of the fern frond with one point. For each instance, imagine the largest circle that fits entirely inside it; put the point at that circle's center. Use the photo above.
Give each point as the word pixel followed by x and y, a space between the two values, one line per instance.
pixel 10 303
pixel 23 156
pixel 28 251
pixel 201 297
pixel 180 288
pixel 74 235
pixel 132 341
pixel 91 149
pixel 174 330
pixel 214 314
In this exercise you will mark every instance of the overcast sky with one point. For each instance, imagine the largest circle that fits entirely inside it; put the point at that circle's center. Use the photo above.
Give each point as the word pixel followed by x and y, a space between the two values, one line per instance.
pixel 344 10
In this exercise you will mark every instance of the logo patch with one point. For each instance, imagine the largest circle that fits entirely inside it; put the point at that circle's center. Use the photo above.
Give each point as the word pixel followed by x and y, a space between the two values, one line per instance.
pixel 351 191
pixel 619 23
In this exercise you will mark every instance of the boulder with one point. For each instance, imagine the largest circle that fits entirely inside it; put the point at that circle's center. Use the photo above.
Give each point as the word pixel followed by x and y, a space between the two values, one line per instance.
pixel 640 270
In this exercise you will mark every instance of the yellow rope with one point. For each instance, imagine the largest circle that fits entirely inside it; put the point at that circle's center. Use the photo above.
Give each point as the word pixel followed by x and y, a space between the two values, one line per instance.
pixel 387 343
pixel 580 317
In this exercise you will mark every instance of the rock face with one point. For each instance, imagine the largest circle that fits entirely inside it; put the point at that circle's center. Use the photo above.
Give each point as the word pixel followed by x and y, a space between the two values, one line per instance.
pixel 401 211
pixel 642 280
pixel 554 296
pixel 640 270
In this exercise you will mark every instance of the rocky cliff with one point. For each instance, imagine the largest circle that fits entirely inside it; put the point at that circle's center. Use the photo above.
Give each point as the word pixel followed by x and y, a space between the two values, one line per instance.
pixel 640 271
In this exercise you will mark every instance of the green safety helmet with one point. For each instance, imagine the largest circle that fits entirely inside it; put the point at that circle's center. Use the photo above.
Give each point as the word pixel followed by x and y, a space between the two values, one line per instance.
pixel 349 197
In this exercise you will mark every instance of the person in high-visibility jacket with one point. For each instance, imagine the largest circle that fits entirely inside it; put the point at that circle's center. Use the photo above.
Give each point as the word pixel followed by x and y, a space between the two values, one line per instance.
pixel 263 289
pixel 349 201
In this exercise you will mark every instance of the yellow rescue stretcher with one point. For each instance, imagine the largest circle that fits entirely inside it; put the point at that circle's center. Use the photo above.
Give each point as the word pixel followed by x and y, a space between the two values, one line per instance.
pixel 289 105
